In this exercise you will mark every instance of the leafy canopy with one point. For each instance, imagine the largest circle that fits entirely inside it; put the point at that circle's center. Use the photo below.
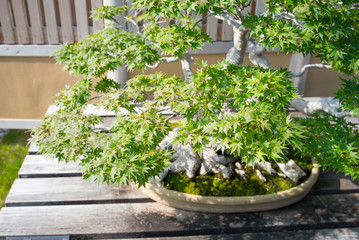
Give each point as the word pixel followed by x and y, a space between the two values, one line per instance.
pixel 258 127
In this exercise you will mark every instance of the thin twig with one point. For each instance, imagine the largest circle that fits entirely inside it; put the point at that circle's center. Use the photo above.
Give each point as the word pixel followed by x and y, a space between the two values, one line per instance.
pixel 173 116
pixel 101 130
pixel 93 98
pixel 133 23
pixel 200 20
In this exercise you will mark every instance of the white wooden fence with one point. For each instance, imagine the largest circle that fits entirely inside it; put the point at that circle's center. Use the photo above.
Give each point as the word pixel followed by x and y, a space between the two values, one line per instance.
pixel 53 22
pixel 46 21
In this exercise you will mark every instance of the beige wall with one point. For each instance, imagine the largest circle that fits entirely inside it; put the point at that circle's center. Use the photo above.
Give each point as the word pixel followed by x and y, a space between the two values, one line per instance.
pixel 28 84
pixel 322 82
pixel 277 60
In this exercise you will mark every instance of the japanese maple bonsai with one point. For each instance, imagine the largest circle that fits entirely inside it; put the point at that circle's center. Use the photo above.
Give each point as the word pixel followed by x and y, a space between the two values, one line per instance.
pixel 229 117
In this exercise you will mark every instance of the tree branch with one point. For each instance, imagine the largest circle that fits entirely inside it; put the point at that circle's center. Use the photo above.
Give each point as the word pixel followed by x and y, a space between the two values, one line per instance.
pixel 186 62
pixel 231 20
pixel 96 97
pixel 287 16
pixel 101 130
pixel 163 60
pixel 306 67
pixel 256 55
pixel 137 31
pixel 175 114
pixel 200 20
pixel 326 104
pixel 291 17
pixel 134 23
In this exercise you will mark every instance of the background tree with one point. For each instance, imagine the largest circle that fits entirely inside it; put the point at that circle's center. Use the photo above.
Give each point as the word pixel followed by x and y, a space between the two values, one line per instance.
pixel 229 114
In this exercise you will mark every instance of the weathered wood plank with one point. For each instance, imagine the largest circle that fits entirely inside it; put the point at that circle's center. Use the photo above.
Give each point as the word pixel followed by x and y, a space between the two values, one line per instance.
pixel 6 23
pixel 66 21
pixel 331 183
pixel 37 33
pixel 27 50
pixel 212 25
pixel 40 166
pixel 20 21
pixel 227 32
pixel 51 24
pixel 33 149
pixel 156 220
pixel 323 234
pixel 69 190
pixel 81 19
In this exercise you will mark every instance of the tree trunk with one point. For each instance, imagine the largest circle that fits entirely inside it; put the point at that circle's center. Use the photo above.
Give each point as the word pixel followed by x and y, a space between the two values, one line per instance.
pixel 186 62
pixel 236 54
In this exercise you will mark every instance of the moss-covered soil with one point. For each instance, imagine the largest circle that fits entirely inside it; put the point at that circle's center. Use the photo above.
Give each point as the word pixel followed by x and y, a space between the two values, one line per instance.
pixel 215 185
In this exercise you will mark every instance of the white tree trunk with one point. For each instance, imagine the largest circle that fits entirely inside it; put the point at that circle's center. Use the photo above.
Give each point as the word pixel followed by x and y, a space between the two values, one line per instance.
pixel 120 75
pixel 186 62
pixel 236 54
pixel 256 55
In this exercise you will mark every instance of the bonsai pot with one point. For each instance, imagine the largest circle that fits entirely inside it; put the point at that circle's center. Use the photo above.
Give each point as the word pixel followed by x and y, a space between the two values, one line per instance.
pixel 235 204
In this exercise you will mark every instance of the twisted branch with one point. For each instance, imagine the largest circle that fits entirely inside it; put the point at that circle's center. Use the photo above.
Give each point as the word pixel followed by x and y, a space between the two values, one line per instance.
pixel 306 67
pixel 163 60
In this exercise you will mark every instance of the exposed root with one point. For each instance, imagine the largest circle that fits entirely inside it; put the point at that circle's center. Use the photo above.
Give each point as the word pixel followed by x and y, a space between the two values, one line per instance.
pixel 260 175
pixel 184 159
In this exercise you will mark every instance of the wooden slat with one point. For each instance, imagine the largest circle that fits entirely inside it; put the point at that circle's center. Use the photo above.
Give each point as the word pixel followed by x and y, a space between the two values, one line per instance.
pixel 20 21
pixel 156 220
pixel 227 32
pixel 331 183
pixel 97 24
pixel 69 190
pixel 81 19
pixel 33 149
pixel 51 25
pixel 40 166
pixel 326 234
pixel 36 24
pixel 66 21
pixel 212 24
pixel 6 23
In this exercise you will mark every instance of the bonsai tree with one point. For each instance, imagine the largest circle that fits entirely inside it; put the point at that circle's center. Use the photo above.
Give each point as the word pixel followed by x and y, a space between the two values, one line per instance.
pixel 219 119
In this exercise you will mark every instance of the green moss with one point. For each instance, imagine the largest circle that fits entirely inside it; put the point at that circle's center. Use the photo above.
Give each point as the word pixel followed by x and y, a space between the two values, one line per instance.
pixel 215 185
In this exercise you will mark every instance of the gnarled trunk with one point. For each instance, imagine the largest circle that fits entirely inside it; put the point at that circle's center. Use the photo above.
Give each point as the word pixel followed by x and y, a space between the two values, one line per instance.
pixel 236 54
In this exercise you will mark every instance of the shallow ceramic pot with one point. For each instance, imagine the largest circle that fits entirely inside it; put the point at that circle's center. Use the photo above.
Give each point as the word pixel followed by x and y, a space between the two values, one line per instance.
pixel 231 204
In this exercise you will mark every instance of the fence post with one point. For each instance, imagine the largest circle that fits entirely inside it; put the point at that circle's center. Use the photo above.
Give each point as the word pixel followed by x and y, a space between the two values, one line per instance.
pixel 119 75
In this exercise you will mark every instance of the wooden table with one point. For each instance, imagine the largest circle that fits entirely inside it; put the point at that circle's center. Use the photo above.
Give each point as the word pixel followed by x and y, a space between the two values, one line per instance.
pixel 51 200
